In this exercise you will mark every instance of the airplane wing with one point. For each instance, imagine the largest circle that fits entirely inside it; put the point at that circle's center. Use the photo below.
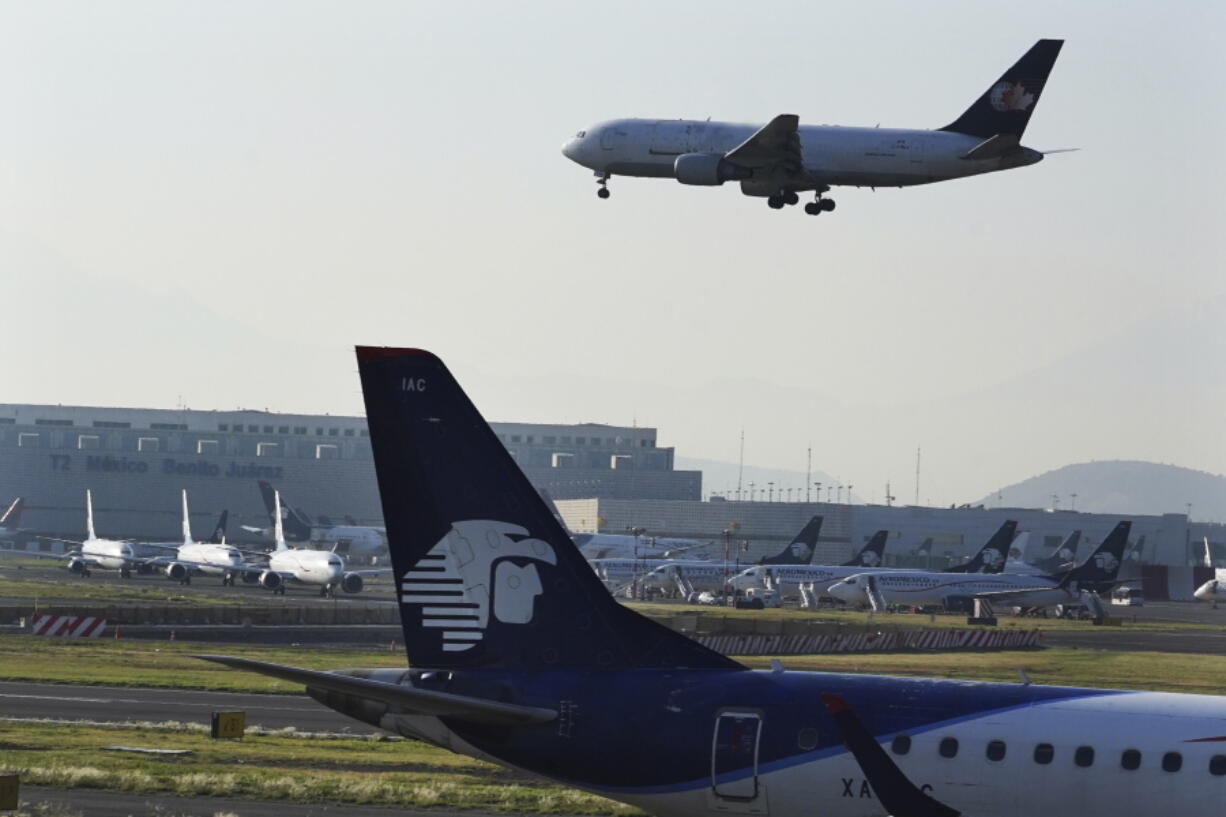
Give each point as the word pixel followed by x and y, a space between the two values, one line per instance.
pixel 405 699
pixel 39 555
pixel 775 143
pixel 373 573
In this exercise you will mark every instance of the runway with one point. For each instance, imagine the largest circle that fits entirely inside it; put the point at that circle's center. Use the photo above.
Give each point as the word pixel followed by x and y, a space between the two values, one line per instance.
pixel 117 704
pixel 95 803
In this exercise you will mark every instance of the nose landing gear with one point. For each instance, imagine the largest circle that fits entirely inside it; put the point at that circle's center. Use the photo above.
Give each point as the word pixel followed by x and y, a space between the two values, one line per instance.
pixel 602 179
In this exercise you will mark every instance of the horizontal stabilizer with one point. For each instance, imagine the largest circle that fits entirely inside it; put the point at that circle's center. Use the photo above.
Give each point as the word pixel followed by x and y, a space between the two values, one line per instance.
pixel 403 699
pixel 993 146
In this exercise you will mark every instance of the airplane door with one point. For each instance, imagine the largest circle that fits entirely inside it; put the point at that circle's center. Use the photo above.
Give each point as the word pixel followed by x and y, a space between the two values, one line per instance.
pixel 734 754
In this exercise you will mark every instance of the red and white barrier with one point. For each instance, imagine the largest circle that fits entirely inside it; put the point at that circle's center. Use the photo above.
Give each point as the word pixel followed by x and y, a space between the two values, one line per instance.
pixel 874 642
pixel 68 626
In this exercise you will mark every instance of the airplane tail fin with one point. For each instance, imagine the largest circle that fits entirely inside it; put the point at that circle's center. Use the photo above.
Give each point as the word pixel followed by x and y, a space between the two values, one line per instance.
pixel 991 557
pixel 12 516
pixel 187 524
pixel 925 547
pixel 487 576
pixel 1099 571
pixel 1006 106
pixel 89 515
pixel 218 536
pixel 1205 539
pixel 870 554
pixel 278 528
pixel 1065 555
pixel 296 525
pixel 800 550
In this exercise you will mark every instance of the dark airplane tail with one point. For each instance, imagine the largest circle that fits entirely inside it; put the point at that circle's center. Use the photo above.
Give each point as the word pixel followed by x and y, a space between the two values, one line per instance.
pixel 870 554
pixel 12 516
pixel 1064 556
pixel 800 550
pixel 992 556
pixel 1006 106
pixel 219 530
pixel 1098 573
pixel 296 524
pixel 925 547
pixel 488 578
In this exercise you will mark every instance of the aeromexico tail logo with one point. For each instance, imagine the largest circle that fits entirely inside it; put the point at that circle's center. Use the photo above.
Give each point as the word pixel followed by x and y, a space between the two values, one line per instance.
pixel 481 568
pixel 870 558
pixel 801 551
pixel 1010 96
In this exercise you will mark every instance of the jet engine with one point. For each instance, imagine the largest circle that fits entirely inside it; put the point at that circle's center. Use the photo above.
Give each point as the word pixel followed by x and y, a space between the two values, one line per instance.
pixel 176 571
pixel 707 169
pixel 352 583
pixel 76 565
pixel 271 579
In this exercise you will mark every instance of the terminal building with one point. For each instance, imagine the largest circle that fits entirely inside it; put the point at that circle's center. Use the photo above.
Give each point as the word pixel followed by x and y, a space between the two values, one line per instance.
pixel 136 461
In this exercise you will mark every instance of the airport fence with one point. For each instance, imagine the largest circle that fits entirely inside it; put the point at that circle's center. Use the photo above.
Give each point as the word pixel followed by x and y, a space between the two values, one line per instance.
pixel 871 642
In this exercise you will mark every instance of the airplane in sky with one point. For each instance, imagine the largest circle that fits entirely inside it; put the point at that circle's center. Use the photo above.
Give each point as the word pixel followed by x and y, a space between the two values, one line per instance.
pixel 782 159
pixel 518 655
pixel 322 568
pixel 702 574
pixel 351 541
pixel 922 588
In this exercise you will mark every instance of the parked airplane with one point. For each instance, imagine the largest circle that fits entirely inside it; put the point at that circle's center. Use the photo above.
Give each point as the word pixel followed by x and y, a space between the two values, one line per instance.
pixel 781 159
pixel 519 656
pixel 1065 557
pixel 1213 590
pixel 786 578
pixel 209 558
pixel 351 541
pixel 628 547
pixel 93 552
pixel 921 588
pixel 707 575
pixel 11 520
pixel 316 567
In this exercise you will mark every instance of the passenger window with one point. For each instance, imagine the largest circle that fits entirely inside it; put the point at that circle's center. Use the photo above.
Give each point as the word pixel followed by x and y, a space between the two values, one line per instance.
pixel 1043 753
pixel 1084 756
pixel 1172 762
pixel 1131 759
pixel 996 750
pixel 806 739
pixel 901 744
pixel 948 747
pixel 1217 765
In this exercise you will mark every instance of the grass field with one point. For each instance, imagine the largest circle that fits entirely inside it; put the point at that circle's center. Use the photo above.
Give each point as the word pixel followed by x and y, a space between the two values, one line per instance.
pixel 15 587
pixel 404 773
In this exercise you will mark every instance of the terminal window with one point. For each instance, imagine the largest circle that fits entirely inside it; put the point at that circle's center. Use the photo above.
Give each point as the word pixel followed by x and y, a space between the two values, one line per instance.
pixel 332 432
pixel 349 432
pixel 28 439
pixel 253 429
pixel 300 429
pixel 267 429
pixel 283 429
pixel 207 446
pixel 223 426
pixel 323 451
pixel 267 449
pixel 87 442
pixel 111 424
pixel 150 444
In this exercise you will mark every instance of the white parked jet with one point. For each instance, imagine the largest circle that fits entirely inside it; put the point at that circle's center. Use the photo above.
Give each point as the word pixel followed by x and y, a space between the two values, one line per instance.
pixel 351 541
pixel 781 159
pixel 318 567
pixel 93 552
pixel 203 558
pixel 1213 590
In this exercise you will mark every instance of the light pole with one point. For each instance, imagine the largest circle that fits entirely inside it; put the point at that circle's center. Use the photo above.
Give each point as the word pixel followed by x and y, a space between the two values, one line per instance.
pixel 1074 496
pixel 751 493
pixel 849 487
pixel 819 491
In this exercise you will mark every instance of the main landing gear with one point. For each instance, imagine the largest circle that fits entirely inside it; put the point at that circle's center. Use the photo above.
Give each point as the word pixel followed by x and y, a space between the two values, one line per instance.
pixel 602 179
pixel 781 198
pixel 819 206
pixel 789 197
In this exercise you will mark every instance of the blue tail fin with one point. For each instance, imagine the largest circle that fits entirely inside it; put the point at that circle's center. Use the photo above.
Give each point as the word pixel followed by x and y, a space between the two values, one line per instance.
pixel 800 550
pixel 1064 557
pixel 296 525
pixel 486 575
pixel 219 530
pixel 1007 105
pixel 1098 572
pixel 992 556
pixel 870 554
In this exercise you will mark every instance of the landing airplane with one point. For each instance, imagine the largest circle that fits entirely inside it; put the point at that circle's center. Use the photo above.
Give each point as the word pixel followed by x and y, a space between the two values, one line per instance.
pixel 519 656
pixel 921 588
pixel 351 541
pixel 315 567
pixel 703 575
pixel 781 159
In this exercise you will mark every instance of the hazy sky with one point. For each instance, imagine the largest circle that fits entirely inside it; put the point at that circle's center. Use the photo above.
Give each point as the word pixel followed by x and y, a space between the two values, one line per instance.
pixel 212 202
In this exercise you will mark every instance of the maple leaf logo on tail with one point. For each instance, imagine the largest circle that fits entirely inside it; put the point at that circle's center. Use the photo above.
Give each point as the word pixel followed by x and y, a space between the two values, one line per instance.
pixel 1010 96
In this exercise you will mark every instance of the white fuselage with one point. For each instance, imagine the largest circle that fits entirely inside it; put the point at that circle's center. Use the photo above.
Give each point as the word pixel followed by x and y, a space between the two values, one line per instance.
pixel 623 547
pixel 211 559
pixel 787 578
pixel 349 540
pixel 699 576
pixel 832 155
pixel 108 554
pixel 1213 590
pixel 308 566
pixel 921 588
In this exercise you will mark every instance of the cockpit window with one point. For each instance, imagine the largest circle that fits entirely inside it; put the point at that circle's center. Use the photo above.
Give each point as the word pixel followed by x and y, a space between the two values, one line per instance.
pixel 581 134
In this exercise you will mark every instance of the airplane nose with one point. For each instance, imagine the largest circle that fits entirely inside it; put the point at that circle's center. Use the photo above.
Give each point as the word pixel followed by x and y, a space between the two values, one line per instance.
pixel 570 149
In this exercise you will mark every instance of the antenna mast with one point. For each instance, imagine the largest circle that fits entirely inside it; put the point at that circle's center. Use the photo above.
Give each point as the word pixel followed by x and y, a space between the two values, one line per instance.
pixel 808 472
pixel 917 474
pixel 740 468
